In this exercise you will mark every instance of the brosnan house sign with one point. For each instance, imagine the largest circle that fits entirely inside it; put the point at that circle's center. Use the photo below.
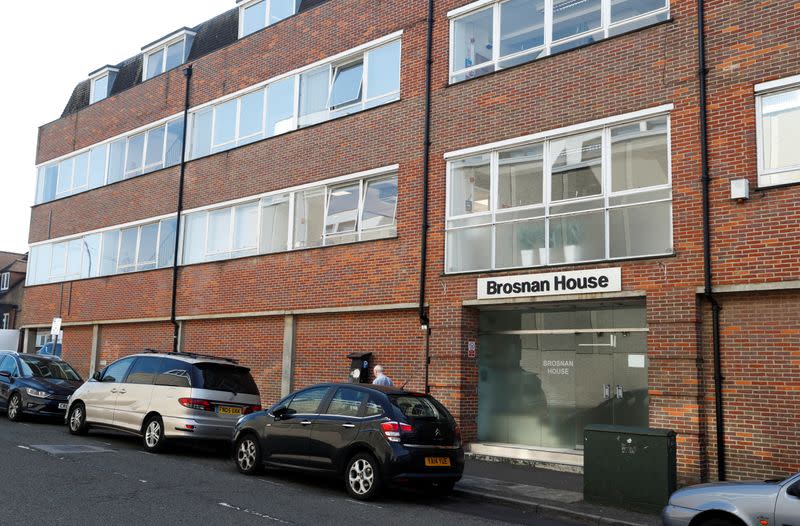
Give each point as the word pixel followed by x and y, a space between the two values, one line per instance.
pixel 551 284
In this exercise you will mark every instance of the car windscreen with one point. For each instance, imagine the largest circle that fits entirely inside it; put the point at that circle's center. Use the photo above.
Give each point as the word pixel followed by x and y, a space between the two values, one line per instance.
pixel 230 378
pixel 419 407
pixel 33 367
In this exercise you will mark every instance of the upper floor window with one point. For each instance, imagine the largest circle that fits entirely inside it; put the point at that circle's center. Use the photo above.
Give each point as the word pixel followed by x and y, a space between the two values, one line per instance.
pixel 166 54
pixel 490 35
pixel 778 107
pixel 5 281
pixel 258 14
pixel 604 193
pixel 100 83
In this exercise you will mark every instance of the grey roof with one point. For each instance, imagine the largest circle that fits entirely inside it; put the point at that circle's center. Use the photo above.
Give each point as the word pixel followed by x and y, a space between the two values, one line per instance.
pixel 212 35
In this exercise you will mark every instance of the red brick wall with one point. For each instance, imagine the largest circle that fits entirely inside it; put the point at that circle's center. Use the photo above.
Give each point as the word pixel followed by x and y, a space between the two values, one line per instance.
pixel 117 341
pixel 76 348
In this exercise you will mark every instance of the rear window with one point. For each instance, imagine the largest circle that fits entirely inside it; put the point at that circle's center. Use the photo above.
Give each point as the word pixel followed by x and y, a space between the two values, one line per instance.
pixel 418 407
pixel 230 378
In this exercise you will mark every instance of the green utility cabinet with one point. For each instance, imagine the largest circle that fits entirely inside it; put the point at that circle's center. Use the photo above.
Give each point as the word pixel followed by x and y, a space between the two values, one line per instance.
pixel 629 467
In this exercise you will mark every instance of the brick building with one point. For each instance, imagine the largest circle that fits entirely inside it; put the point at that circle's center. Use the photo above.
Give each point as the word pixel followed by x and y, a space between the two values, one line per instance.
pixel 562 277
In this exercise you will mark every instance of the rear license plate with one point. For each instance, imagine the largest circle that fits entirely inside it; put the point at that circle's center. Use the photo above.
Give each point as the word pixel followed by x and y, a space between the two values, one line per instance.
pixel 437 462
pixel 62 406
pixel 227 410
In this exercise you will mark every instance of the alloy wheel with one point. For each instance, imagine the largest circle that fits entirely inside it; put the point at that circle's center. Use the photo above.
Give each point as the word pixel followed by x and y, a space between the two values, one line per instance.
pixel 153 434
pixel 13 407
pixel 361 476
pixel 76 420
pixel 246 455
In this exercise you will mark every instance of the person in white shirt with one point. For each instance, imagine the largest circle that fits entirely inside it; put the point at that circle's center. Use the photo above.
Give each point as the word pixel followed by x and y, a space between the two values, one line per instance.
pixel 380 378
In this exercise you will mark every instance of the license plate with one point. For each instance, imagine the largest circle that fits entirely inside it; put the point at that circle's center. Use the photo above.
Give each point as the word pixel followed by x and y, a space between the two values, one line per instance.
pixel 62 406
pixel 226 410
pixel 437 462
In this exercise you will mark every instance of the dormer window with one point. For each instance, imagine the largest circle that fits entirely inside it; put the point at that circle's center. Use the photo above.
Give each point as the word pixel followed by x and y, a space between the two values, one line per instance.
pixel 167 53
pixel 258 14
pixel 101 82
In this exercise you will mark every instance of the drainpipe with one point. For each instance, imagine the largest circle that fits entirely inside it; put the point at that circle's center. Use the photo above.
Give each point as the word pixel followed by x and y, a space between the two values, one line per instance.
pixel 708 278
pixel 426 149
pixel 187 72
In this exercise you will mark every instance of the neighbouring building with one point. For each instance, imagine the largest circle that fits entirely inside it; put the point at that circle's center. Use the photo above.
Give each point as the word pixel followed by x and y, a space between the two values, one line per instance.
pixel 12 287
pixel 548 252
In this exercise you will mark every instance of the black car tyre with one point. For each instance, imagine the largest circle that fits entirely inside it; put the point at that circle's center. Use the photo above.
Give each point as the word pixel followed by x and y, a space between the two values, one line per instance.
pixel 248 455
pixel 719 521
pixel 362 477
pixel 14 409
pixel 77 419
pixel 153 436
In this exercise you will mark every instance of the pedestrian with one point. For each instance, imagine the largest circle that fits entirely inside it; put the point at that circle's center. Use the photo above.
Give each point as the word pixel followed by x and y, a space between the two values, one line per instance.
pixel 380 378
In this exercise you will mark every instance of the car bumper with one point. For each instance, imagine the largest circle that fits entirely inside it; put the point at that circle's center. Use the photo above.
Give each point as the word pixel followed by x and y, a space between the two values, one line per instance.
pixel 44 407
pixel 407 465
pixel 677 516
pixel 176 427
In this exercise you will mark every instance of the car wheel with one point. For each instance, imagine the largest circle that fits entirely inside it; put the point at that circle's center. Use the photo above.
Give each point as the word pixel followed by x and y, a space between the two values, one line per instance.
pixel 153 438
pixel 14 410
pixel 719 521
pixel 362 477
pixel 248 454
pixel 77 419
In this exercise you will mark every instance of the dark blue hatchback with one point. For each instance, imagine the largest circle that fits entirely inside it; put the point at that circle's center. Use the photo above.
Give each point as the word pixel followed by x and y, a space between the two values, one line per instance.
pixel 35 385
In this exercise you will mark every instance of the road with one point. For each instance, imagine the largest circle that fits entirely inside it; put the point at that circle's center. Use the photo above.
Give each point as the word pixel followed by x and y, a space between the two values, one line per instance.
pixel 50 477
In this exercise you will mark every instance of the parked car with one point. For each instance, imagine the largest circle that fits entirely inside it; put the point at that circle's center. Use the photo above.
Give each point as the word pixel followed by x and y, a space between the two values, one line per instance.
pixel 165 396
pixel 369 435
pixel 35 385
pixel 774 502
pixel 47 350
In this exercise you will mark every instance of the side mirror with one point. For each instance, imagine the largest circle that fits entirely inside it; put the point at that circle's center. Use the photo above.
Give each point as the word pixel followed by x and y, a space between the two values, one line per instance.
pixel 96 376
pixel 282 413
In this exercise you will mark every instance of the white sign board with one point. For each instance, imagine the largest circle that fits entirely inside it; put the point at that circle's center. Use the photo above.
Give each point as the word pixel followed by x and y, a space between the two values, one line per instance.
pixel 56 328
pixel 551 284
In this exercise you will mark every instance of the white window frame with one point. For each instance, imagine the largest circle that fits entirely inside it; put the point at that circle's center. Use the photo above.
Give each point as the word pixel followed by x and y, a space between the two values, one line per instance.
pixel 268 9
pixel 606 28
pixel 93 95
pixel 183 36
pixel 6 321
pixel 494 150
pixel 5 281
pixel 780 176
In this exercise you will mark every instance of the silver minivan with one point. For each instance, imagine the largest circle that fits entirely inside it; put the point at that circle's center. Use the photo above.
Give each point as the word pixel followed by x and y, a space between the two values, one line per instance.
pixel 163 396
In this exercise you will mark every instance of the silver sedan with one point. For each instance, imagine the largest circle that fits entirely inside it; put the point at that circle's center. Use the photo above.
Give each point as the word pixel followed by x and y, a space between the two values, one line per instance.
pixel 770 503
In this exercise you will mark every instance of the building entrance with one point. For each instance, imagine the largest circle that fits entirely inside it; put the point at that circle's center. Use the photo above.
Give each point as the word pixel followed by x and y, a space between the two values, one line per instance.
pixel 546 373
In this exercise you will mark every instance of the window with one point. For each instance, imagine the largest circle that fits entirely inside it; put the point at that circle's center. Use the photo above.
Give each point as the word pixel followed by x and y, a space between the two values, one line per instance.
pixel 6 321
pixel 374 407
pixel 5 280
pixel 346 402
pixel 115 373
pixel 99 89
pixel 144 371
pixel 601 194
pixel 307 402
pixel 511 32
pixel 174 373
pixel 162 57
pixel 778 133
pixel 254 16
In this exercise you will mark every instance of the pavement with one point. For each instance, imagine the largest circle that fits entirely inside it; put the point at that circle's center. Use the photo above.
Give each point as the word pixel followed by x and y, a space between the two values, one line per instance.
pixel 546 493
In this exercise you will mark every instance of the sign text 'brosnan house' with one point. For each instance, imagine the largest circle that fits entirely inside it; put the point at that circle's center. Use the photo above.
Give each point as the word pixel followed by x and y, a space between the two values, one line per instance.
pixel 551 284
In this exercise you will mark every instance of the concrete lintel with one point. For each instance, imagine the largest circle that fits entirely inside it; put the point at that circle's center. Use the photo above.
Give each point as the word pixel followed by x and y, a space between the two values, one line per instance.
pixel 549 299
pixel 288 355
pixel 95 349
pixel 96 322
pixel 754 287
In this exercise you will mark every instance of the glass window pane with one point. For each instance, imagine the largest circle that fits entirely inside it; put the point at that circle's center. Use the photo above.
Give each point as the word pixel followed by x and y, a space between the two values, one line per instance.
pixel 154 159
pixel 576 166
pixel 201 133
pixel 224 125
pixel 166 243
pixel 100 90
pixel 219 231
pixel 133 161
pixel 470 184
pixel 577 238
pixel 245 235
pixel 127 249
pixel 80 177
pixel 380 203
pixel 383 76
pixel 641 230
pixel 280 107
pixel 309 212
pixel 521 177
pixel 251 120
pixel 175 55
pixel 573 18
pixel 314 96
pixel 64 176
pixel 108 265
pixel 74 256
pixel 520 244
pixel 97 166
pixel 472 39
pixel 780 126
pixel 469 249
pixel 148 242
pixel 91 256
pixel 342 209
pixel 58 266
pixel 116 161
pixel 42 259
pixel 346 402
pixel 274 223
pixel 521 26
pixel 194 238
pixel 50 183
pixel 155 64
pixel 623 9
pixel 346 88
pixel 174 142
pixel 255 18
pixel 280 9
pixel 639 155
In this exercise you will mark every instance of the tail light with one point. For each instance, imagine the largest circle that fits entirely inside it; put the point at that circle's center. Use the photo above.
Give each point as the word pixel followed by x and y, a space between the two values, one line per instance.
pixel 251 409
pixel 392 430
pixel 196 403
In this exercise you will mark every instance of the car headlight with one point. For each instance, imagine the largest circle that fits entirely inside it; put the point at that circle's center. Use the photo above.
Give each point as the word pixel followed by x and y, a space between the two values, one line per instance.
pixel 36 394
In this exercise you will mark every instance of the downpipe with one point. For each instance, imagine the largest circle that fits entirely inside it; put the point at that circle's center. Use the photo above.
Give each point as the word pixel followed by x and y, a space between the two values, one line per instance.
pixel 426 149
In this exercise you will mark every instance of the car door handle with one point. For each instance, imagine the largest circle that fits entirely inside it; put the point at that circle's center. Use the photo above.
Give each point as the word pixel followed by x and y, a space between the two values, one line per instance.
pixel 114 391
pixel 305 423
pixel 348 426
pixel 123 391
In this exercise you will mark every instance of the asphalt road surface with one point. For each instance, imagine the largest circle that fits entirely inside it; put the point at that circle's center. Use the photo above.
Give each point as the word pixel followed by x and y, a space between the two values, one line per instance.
pixel 50 477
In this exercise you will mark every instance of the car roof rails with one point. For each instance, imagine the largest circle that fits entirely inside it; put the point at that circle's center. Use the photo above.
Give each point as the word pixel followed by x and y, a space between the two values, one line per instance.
pixel 199 355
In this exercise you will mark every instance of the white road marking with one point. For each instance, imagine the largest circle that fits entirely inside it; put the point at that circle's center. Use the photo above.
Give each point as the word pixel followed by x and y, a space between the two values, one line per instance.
pixel 143 481
pixel 251 512
pixel 271 483
pixel 26 447
pixel 353 501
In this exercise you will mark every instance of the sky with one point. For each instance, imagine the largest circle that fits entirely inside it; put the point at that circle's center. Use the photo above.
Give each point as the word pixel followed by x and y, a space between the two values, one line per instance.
pixel 46 55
